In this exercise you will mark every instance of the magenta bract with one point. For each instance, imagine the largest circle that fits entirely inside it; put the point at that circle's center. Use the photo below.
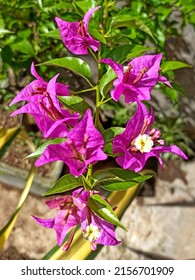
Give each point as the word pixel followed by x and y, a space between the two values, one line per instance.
pixel 137 79
pixel 75 35
pixel 44 106
pixel 74 210
pixel 37 88
pixel 83 146
pixel 68 216
pixel 138 142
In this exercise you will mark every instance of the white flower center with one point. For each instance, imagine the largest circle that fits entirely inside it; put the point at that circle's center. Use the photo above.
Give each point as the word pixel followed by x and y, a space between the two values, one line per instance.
pixel 91 233
pixel 144 143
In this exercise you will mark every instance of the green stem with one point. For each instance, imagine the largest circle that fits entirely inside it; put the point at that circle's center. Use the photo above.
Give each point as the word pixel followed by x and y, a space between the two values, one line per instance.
pixel 105 14
pixel 93 54
pixel 87 182
pixel 97 116
pixel 97 107
pixel 91 85
pixel 89 172
pixel 106 100
pixel 84 90
pixel 98 103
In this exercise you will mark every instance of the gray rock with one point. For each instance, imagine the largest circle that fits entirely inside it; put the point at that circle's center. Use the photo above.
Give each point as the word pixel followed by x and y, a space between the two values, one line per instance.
pixel 162 226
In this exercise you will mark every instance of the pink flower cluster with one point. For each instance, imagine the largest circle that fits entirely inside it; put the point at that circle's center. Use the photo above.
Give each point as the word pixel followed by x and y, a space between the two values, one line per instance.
pixel 84 144
pixel 73 210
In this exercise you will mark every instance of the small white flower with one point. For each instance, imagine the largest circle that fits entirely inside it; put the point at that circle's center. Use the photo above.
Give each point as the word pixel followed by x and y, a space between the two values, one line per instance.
pixel 91 233
pixel 144 143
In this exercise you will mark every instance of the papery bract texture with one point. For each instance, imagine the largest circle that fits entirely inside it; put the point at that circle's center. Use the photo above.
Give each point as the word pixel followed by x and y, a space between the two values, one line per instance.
pixel 73 210
pixel 83 146
pixel 67 217
pixel 75 35
pixel 44 106
pixel 38 87
pixel 138 142
pixel 137 80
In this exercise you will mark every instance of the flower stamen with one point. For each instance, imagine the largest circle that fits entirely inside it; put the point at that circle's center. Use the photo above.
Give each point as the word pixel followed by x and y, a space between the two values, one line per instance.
pixel 127 73
pixel 49 108
pixel 81 29
pixel 70 239
pixel 143 71
pixel 145 124
pixel 74 150
pixel 38 90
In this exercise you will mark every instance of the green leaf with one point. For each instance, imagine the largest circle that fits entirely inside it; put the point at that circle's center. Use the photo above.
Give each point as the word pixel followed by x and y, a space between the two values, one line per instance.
pixel 118 185
pixel 132 21
pixel 129 175
pixel 85 5
pixel 111 132
pixel 172 94
pixel 102 209
pixel 42 148
pixel 4 31
pixel 187 6
pixel 74 64
pixel 95 34
pixel 178 87
pixel 117 179
pixel 75 103
pixel 192 18
pixel 28 4
pixel 40 4
pixel 122 53
pixel 102 175
pixel 173 65
pixel 57 6
pixel 106 81
pixel 138 50
pixel 108 149
pixel 24 34
pixel 24 46
pixel 65 183
pixel 108 135
pixel 55 34
pixel 163 12
pixel 86 183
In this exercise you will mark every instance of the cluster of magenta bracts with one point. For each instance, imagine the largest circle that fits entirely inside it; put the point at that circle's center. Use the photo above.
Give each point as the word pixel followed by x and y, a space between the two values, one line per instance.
pixel 84 143
pixel 73 210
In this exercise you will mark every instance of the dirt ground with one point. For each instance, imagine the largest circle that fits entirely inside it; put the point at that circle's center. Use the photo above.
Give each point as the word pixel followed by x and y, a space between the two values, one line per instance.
pixel 28 240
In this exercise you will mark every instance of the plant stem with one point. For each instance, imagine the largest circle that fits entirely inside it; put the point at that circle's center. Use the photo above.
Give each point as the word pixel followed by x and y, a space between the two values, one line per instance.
pixel 106 100
pixel 105 14
pixel 97 107
pixel 89 172
pixel 87 180
pixel 93 54
pixel 84 90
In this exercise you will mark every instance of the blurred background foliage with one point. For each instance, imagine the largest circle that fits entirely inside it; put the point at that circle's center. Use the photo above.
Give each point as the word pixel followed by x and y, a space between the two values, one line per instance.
pixel 28 32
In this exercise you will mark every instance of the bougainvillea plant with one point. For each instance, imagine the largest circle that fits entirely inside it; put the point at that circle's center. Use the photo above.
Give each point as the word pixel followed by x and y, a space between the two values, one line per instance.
pixel 80 195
